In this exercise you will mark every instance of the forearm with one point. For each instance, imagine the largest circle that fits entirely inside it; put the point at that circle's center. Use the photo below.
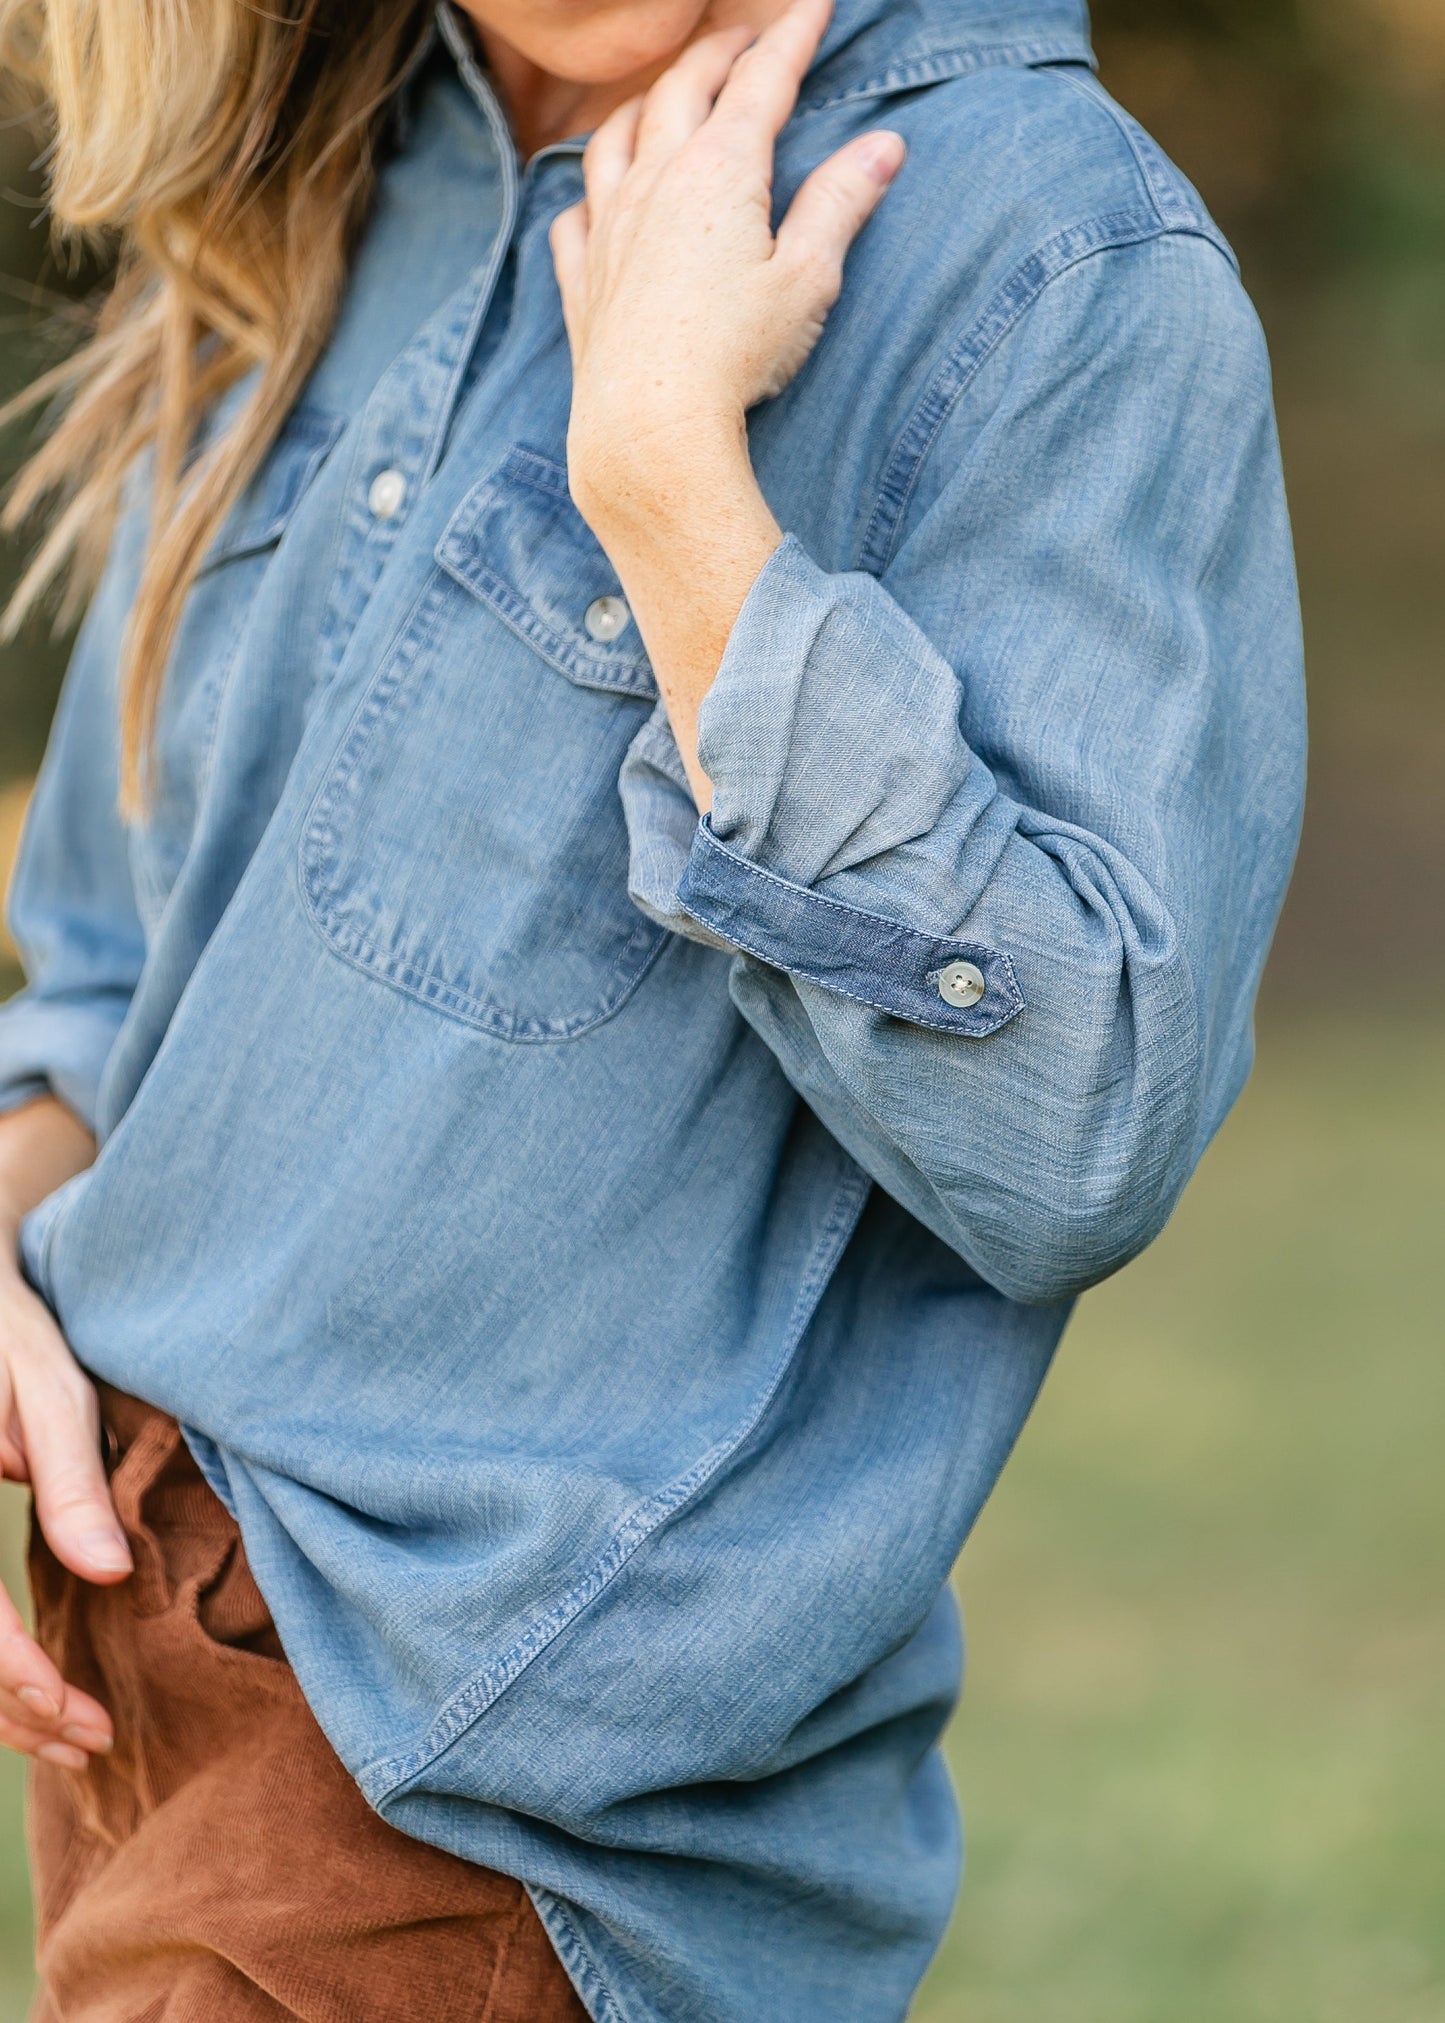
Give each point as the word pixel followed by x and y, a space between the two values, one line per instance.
pixel 42 1145
pixel 688 531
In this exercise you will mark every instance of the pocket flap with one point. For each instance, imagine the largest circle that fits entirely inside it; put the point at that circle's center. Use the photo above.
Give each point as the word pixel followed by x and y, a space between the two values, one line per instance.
pixel 519 544
pixel 259 516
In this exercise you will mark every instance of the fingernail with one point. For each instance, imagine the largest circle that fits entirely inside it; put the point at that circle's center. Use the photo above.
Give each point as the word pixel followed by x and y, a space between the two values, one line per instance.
pixel 87 1738
pixel 62 1757
pixel 38 1702
pixel 107 1550
pixel 884 158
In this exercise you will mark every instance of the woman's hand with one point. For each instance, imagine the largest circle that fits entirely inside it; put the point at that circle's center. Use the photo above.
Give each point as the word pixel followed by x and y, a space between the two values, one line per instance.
pixel 50 1438
pixel 682 306
pixel 683 310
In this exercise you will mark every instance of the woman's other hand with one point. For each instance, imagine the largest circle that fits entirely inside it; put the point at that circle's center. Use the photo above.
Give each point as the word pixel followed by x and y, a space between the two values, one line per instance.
pixel 50 1438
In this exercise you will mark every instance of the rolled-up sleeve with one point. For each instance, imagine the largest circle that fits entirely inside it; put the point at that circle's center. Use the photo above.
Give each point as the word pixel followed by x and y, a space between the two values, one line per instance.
pixel 71 908
pixel 1001 825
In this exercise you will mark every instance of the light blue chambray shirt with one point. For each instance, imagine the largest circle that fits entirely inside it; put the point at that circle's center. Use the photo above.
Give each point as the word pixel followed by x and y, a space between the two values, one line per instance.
pixel 604 1261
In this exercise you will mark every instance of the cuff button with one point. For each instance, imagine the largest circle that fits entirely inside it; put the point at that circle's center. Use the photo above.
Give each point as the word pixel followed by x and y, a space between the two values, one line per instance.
pixel 962 984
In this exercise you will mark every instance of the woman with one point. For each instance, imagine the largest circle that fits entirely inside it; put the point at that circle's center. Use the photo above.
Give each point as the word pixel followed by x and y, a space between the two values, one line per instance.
pixel 692 864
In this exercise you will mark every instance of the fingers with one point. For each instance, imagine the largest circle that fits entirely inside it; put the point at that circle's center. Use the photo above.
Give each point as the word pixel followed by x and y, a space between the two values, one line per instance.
pixel 836 202
pixel 27 1676
pixel 82 1722
pixel 609 154
pixel 69 1739
pixel 50 1435
pixel 31 1742
pixel 39 1712
pixel 12 1449
pixel 60 1426
pixel 685 94
pixel 762 88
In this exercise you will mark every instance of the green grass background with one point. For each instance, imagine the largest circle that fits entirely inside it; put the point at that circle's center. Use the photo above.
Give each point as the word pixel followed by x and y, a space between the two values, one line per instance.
pixel 1202 1747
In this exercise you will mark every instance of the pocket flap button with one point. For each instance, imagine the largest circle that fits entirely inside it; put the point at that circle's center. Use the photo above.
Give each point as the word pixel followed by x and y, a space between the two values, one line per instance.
pixel 962 984
pixel 606 618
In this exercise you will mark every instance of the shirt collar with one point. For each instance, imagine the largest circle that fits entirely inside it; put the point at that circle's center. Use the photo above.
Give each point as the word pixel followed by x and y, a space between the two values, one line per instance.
pixel 876 47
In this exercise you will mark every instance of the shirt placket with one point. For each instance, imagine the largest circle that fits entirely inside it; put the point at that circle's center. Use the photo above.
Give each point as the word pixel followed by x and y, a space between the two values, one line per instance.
pixel 402 430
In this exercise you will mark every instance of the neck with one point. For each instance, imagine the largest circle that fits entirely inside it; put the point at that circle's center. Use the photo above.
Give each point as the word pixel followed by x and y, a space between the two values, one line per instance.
pixel 544 108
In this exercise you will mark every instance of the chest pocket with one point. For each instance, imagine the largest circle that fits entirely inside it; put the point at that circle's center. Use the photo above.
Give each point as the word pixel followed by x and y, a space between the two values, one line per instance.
pixel 211 636
pixel 468 845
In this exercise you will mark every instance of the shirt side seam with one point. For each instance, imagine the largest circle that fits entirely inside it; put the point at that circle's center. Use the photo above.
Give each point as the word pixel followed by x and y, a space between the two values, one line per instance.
pixel 576 1956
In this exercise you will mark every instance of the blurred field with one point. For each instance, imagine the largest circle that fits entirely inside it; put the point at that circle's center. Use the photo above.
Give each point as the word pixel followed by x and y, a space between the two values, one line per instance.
pixel 1202 1750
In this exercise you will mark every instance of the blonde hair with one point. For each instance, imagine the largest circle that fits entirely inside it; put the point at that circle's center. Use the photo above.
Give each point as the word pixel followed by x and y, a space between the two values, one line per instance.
pixel 227 148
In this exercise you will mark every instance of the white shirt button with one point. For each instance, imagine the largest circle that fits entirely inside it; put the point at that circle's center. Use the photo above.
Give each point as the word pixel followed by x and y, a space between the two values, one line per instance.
pixel 962 984
pixel 605 618
pixel 387 495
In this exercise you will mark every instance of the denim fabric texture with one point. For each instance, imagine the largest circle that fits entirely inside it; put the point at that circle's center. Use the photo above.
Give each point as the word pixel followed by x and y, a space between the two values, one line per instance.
pixel 591 1257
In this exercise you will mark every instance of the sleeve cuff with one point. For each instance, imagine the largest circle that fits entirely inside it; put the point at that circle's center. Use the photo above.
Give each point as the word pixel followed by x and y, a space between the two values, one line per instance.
pixel 661 823
pixel 50 1048
pixel 831 734
pixel 863 956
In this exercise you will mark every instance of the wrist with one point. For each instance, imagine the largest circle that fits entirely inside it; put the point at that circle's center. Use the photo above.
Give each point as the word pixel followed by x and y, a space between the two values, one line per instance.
pixel 13 1209
pixel 634 483
pixel 42 1145
pixel 10 1221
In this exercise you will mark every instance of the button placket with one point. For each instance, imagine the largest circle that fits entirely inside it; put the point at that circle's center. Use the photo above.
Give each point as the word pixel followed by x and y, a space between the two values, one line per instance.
pixel 399 429
pixel 387 494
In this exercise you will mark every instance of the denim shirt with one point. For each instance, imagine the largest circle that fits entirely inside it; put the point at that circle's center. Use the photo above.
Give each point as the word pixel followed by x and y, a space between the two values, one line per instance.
pixel 602 1258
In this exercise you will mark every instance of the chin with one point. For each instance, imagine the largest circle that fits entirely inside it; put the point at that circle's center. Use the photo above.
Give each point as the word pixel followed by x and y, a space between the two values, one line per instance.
pixel 595 41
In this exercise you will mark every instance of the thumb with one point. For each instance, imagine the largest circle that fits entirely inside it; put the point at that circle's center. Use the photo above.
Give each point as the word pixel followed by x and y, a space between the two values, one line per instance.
pixel 60 1424
pixel 837 200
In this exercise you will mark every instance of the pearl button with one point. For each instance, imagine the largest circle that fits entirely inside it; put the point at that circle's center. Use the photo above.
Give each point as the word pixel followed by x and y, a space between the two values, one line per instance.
pixel 387 495
pixel 962 984
pixel 605 618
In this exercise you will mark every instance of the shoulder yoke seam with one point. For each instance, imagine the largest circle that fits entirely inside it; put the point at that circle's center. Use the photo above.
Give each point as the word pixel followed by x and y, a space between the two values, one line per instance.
pixel 1111 231
pixel 1125 130
pixel 1179 207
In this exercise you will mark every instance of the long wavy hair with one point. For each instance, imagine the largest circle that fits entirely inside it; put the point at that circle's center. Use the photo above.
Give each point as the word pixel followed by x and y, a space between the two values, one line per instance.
pixel 226 150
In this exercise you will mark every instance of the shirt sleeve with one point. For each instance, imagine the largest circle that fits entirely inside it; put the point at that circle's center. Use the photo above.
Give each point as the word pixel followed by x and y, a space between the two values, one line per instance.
pixel 72 908
pixel 1001 829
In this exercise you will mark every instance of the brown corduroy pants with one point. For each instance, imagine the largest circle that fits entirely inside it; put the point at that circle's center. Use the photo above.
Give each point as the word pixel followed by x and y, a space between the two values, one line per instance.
pixel 220 1866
